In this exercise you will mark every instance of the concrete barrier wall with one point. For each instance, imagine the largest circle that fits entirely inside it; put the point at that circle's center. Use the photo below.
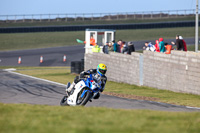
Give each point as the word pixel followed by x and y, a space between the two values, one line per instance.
pixel 179 71
pixel 121 68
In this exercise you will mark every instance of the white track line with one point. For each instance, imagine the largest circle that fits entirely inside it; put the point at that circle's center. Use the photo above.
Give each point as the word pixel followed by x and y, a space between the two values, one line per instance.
pixel 37 78
pixel 11 71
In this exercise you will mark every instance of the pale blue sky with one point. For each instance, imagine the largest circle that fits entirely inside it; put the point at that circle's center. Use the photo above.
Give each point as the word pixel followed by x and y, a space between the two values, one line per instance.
pixel 11 7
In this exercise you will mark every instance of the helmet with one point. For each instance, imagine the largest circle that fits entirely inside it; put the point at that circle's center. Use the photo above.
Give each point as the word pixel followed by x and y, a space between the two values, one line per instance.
pixel 101 69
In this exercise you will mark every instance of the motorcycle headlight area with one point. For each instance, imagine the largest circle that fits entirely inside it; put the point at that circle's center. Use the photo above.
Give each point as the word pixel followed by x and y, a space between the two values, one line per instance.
pixel 94 86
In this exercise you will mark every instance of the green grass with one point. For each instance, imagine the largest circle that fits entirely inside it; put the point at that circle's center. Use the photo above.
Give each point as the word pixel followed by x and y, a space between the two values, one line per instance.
pixel 62 75
pixel 192 47
pixel 21 24
pixel 23 118
pixel 15 41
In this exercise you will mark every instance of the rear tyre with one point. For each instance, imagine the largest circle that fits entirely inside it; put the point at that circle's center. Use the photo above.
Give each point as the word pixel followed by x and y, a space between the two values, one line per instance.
pixel 82 101
pixel 63 101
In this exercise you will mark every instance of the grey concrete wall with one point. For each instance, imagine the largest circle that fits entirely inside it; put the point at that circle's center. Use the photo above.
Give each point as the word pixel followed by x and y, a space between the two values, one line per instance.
pixel 179 71
pixel 121 68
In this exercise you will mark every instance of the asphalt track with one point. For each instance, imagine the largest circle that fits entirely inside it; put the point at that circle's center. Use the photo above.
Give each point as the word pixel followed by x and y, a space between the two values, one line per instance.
pixel 15 88
pixel 54 56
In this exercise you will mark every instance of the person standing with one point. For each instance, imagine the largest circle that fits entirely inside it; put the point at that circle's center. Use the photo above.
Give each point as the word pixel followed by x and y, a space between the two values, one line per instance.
pixel 184 43
pixel 124 48
pixel 131 47
pixel 105 48
pixel 179 43
pixel 115 45
pixel 157 46
pixel 119 46
pixel 92 41
pixel 161 45
pixel 168 48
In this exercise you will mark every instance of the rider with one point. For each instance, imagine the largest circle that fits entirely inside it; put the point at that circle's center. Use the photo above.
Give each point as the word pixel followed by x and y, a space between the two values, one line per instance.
pixel 98 73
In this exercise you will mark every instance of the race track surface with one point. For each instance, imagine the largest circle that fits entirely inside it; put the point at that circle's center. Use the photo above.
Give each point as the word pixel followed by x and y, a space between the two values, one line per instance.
pixel 19 89
pixel 54 56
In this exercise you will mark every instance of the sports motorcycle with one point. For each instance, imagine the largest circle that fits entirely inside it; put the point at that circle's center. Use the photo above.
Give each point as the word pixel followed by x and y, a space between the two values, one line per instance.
pixel 85 90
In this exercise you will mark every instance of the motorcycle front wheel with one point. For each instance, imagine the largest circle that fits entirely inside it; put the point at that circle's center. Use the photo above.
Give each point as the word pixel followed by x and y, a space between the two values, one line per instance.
pixel 63 101
pixel 82 101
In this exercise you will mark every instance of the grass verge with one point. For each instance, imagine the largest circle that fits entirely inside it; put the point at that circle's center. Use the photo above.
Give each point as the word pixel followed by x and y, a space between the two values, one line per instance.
pixel 16 41
pixel 117 89
pixel 21 118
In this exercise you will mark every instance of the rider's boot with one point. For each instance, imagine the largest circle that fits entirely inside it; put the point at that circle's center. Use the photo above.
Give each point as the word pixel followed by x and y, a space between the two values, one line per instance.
pixel 68 85
pixel 69 89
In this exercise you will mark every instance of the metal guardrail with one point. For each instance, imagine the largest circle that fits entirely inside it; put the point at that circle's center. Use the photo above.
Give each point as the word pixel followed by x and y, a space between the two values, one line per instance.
pixel 96 16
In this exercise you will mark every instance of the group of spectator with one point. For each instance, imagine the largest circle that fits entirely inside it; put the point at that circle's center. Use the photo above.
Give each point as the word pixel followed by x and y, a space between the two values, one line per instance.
pixel 119 47
pixel 126 48
pixel 163 47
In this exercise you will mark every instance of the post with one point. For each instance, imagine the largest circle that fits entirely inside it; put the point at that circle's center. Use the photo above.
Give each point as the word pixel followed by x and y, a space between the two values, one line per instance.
pixel 75 17
pixel 92 17
pixel 40 17
pixel 15 18
pixel 66 17
pixel 134 15
pixel 32 17
pixel 23 18
pixel 151 15
pixel 168 14
pixel 142 15
pixel 197 26
pixel 161 14
pixel 141 69
pixel 49 17
pixel 58 17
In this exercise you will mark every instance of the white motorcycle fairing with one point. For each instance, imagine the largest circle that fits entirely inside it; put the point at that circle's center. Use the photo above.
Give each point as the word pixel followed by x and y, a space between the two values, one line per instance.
pixel 72 99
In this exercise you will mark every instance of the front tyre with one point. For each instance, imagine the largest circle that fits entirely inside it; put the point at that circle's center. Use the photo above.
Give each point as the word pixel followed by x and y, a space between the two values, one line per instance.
pixel 63 101
pixel 82 101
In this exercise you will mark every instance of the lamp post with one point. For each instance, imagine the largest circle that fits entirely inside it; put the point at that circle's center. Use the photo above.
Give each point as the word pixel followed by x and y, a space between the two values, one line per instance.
pixel 197 27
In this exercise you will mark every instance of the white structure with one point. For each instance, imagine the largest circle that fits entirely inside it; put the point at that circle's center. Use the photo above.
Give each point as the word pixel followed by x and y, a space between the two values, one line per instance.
pixel 101 36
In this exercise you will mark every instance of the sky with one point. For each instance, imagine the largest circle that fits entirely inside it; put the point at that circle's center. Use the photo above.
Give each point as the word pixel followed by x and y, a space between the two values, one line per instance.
pixel 18 7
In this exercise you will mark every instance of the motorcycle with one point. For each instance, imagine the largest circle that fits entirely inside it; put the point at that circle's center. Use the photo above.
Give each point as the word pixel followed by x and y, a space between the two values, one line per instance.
pixel 85 90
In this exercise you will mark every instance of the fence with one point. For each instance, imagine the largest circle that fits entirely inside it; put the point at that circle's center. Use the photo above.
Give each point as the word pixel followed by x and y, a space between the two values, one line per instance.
pixel 179 71
pixel 105 26
pixel 96 16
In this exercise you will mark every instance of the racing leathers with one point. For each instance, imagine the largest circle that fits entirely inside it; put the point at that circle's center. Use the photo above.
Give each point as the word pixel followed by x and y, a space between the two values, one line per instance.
pixel 83 75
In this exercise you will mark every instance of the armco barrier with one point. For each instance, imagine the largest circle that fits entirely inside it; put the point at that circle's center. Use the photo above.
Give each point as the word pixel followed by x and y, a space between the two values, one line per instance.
pixel 179 71
pixel 108 26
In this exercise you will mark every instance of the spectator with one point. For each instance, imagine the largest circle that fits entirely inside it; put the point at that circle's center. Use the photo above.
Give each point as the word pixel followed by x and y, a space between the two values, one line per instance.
pixel 161 45
pixel 124 48
pixel 157 46
pixel 96 49
pixel 184 43
pixel 131 47
pixel 119 46
pixel 149 47
pixel 115 45
pixel 105 48
pixel 168 48
pixel 179 43
pixel 110 47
